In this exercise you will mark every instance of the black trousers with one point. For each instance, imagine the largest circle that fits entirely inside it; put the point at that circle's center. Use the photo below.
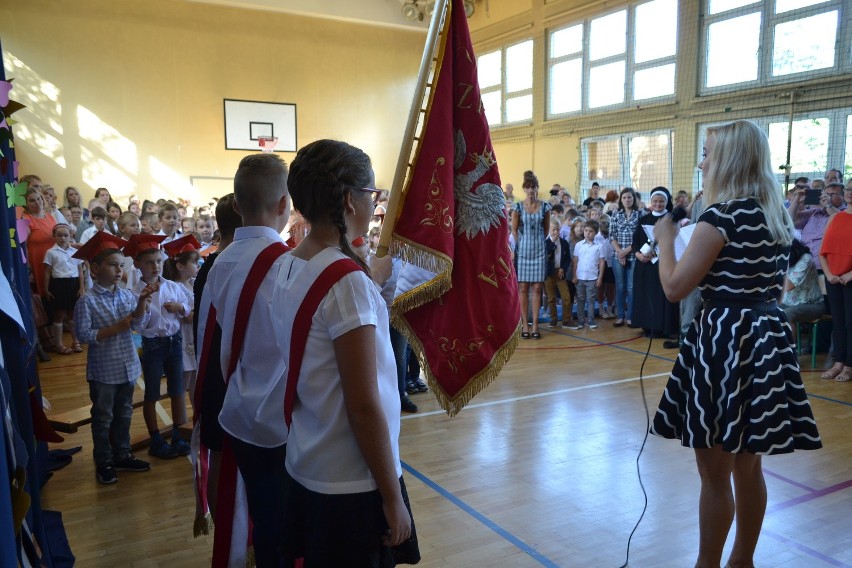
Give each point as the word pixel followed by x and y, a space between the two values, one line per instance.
pixel 263 473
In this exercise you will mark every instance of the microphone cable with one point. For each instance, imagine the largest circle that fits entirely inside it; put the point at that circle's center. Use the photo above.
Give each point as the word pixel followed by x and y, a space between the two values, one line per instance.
pixel 641 450
pixel 677 214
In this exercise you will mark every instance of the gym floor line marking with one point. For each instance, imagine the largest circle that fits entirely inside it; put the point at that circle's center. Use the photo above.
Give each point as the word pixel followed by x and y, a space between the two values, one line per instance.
pixel 521 545
pixel 806 549
pixel 789 481
pixel 537 395
pixel 816 494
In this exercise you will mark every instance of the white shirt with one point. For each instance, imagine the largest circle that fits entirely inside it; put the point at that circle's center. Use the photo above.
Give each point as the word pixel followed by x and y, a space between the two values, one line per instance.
pixel 588 257
pixel 88 234
pixel 322 453
pixel 253 410
pixel 61 264
pixel 133 274
pixel 163 323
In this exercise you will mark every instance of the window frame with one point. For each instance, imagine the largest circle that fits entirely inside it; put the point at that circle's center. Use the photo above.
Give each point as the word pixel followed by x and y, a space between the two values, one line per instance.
pixel 628 57
pixel 505 95
pixel 766 43
pixel 624 159
pixel 836 143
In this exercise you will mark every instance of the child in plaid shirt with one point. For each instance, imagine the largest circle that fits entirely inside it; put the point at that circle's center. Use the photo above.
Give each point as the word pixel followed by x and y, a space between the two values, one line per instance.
pixel 103 318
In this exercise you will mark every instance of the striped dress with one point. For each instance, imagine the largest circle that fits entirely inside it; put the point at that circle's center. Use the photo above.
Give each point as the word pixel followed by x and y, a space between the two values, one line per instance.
pixel 530 251
pixel 736 380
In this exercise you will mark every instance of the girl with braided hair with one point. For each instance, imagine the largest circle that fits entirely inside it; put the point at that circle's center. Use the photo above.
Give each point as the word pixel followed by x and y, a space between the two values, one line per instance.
pixel 345 499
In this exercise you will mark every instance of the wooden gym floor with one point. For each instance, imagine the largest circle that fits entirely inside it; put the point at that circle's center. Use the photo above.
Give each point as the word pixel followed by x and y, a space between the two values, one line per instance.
pixel 540 470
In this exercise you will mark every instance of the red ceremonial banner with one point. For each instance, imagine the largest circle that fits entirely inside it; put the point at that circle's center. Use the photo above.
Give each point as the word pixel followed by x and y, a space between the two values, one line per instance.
pixel 462 318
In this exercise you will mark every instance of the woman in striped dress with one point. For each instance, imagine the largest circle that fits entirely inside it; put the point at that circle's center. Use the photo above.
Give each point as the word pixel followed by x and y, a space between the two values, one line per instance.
pixel 735 392
pixel 530 225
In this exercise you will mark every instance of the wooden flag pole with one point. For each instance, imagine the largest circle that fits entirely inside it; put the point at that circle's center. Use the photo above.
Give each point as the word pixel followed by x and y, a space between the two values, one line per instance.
pixel 437 27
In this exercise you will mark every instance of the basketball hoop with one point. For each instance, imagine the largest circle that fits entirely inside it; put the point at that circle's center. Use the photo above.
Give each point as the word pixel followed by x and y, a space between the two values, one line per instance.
pixel 267 143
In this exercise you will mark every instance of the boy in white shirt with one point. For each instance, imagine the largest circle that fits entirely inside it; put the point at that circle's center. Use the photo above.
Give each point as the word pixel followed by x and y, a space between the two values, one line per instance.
pixel 162 344
pixel 98 216
pixel 588 274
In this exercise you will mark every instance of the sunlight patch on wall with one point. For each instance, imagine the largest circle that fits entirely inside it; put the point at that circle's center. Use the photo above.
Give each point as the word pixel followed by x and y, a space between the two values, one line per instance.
pixel 101 172
pixel 169 184
pixel 44 142
pixel 41 97
pixel 118 148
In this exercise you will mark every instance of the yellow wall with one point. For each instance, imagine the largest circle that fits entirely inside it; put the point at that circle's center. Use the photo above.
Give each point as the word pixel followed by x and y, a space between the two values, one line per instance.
pixel 129 94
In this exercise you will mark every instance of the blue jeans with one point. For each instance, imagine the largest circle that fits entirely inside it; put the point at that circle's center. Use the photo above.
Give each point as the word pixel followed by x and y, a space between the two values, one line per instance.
pixel 624 287
pixel 112 409
pixel 162 355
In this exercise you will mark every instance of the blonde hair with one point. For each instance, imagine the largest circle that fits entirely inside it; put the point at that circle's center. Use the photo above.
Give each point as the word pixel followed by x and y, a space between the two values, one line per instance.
pixel 740 167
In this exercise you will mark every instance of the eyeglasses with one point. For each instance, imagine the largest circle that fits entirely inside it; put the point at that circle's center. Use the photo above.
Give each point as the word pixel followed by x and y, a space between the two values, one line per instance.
pixel 377 193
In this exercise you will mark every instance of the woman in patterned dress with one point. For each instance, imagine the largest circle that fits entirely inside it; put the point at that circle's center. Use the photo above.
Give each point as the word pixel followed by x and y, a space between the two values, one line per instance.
pixel 735 392
pixel 530 224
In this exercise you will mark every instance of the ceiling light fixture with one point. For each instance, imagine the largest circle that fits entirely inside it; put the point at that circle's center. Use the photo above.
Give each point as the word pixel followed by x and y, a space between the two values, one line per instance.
pixel 418 10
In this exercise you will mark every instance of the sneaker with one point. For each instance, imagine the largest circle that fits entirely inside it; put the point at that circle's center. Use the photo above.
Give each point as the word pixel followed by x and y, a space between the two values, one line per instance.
pixel 407 405
pixel 105 474
pixel 411 387
pixel 552 324
pixel 131 463
pixel 163 450
pixel 181 446
pixel 575 325
pixel 421 386
pixel 593 325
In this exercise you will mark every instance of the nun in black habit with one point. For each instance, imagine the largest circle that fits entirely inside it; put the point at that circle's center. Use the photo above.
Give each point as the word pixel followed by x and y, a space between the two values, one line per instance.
pixel 652 311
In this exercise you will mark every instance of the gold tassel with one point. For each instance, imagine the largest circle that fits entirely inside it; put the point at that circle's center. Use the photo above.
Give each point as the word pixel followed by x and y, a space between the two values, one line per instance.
pixel 454 405
pixel 202 525
pixel 250 560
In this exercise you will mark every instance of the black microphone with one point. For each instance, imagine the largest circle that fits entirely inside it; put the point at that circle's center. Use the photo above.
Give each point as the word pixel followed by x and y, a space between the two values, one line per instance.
pixel 678 214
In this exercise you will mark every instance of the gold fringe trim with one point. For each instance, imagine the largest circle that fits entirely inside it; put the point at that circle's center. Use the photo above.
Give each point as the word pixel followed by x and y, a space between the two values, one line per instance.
pixel 430 290
pixel 202 525
pixel 453 405
pixel 250 559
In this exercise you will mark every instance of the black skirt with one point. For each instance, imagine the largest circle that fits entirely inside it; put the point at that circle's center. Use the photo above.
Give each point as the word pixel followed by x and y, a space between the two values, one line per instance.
pixel 341 531
pixel 64 292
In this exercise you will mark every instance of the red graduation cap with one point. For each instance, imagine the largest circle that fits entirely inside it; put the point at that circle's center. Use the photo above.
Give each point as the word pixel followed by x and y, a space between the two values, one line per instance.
pixel 187 243
pixel 142 243
pixel 100 242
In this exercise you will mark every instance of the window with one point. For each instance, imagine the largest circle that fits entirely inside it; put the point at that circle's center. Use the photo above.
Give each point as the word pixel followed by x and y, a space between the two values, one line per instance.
pixel 505 83
pixel 808 144
pixel 749 43
pixel 566 71
pixel 613 60
pixel 818 141
pixel 642 160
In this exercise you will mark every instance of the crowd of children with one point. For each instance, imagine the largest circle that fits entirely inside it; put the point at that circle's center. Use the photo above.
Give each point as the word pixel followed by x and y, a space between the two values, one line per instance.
pixel 578 261
pixel 110 275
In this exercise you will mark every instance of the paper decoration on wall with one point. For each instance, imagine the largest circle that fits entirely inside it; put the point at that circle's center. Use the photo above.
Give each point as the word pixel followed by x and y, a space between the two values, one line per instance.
pixel 15 194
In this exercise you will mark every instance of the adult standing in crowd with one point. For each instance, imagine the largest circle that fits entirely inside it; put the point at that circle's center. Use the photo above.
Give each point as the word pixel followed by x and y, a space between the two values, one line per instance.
pixel 812 221
pixel 594 195
pixel 530 224
pixel 735 391
pixel 102 194
pixel 611 202
pixel 653 312
pixel 73 198
pixel 836 260
pixel 40 239
pixel 621 231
